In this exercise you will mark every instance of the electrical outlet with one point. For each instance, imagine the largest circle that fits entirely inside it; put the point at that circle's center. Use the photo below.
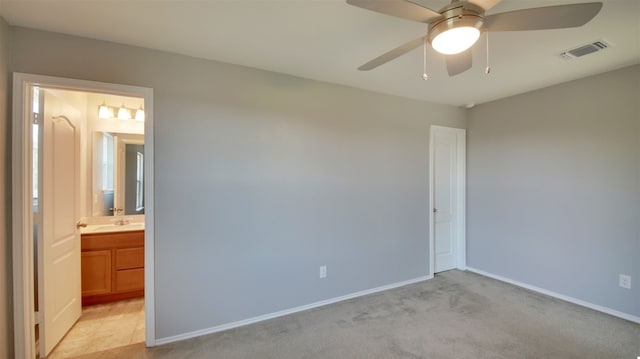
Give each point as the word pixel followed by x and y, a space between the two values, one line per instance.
pixel 624 281
pixel 323 271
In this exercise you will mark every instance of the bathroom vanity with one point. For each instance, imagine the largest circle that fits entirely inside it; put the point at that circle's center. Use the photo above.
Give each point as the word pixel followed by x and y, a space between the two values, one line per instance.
pixel 112 266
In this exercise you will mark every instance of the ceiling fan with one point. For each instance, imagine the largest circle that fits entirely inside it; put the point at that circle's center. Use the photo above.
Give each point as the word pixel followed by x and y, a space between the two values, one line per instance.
pixel 455 28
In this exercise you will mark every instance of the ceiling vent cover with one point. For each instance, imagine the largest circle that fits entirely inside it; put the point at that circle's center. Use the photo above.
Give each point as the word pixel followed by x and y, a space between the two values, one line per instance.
pixel 584 50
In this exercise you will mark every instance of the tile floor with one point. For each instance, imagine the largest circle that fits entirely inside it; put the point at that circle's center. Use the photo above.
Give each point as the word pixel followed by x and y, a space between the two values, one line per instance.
pixel 102 327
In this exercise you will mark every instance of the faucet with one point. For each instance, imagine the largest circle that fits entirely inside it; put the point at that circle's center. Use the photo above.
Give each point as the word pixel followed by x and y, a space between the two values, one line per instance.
pixel 121 221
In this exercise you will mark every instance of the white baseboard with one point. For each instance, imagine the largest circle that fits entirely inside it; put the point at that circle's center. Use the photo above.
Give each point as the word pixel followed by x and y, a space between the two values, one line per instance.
pixel 281 313
pixel 566 298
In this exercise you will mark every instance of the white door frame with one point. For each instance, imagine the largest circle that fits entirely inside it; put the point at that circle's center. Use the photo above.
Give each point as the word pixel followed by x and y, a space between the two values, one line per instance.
pixel 22 203
pixel 461 197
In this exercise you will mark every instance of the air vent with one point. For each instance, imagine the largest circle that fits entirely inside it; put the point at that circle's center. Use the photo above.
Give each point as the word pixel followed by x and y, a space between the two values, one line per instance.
pixel 584 50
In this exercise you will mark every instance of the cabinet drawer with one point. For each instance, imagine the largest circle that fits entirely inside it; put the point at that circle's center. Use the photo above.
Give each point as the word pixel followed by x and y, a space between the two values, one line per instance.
pixel 129 279
pixel 129 258
pixel 96 241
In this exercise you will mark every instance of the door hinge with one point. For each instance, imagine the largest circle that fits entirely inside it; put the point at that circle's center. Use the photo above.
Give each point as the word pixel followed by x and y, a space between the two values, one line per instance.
pixel 36 318
pixel 35 118
pixel 435 210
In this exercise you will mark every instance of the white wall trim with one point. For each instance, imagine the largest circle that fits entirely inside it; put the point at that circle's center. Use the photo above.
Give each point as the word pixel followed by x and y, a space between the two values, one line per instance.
pixel 22 226
pixel 566 298
pixel 432 247
pixel 22 204
pixel 461 199
pixel 281 313
pixel 149 222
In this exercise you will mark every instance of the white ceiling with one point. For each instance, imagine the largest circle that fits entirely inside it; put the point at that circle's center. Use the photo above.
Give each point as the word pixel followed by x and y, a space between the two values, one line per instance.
pixel 327 40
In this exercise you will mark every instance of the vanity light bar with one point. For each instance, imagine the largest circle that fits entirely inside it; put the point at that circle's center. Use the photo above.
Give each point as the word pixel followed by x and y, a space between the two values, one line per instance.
pixel 108 112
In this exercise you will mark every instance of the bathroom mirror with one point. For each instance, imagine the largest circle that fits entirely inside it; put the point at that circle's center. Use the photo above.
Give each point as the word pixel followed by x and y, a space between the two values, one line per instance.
pixel 118 174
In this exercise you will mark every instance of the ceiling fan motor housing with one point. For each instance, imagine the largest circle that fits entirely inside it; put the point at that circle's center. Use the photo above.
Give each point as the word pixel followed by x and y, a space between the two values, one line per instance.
pixel 455 15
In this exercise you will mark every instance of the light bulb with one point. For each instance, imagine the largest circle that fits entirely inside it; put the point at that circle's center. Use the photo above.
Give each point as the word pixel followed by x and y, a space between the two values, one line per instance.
pixel 123 113
pixel 104 111
pixel 140 114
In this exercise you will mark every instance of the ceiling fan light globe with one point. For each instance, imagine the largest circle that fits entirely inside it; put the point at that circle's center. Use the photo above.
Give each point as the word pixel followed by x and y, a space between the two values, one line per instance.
pixel 455 40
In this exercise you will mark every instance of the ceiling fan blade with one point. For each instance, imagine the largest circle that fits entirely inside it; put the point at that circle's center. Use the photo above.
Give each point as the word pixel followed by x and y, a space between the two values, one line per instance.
pixel 459 63
pixel 399 8
pixel 485 4
pixel 543 18
pixel 397 52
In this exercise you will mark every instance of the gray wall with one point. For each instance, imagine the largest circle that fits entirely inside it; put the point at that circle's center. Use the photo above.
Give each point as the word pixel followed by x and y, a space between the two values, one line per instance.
pixel 261 178
pixel 554 188
pixel 6 303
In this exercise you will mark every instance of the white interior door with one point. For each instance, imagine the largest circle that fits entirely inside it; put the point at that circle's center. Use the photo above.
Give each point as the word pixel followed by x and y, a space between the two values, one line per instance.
pixel 448 197
pixel 59 239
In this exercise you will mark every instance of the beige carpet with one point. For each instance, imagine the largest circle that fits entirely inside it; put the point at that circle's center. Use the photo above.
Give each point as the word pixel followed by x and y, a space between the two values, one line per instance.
pixel 455 315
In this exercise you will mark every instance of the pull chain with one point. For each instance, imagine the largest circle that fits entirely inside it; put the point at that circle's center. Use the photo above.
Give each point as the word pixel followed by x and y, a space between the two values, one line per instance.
pixel 487 70
pixel 424 64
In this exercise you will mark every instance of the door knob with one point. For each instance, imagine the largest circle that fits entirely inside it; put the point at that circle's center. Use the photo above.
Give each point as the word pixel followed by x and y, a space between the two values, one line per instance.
pixel 80 224
pixel 435 210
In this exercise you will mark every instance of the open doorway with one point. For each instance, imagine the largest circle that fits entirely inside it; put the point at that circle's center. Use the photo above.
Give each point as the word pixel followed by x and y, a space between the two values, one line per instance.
pixel 83 233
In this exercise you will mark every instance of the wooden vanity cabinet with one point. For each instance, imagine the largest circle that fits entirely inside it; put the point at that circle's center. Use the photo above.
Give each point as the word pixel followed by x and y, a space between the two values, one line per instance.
pixel 112 266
